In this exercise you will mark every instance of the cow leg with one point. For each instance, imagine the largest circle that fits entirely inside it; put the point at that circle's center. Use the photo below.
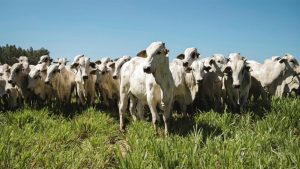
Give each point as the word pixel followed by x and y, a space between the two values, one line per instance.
pixel 132 107
pixel 153 110
pixel 183 109
pixel 122 108
pixel 140 109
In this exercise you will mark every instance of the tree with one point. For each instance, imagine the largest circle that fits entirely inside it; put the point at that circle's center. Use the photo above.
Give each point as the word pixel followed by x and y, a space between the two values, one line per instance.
pixel 9 54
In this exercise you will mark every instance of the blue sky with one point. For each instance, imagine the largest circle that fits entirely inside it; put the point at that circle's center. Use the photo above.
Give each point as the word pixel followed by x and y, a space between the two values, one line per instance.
pixel 257 29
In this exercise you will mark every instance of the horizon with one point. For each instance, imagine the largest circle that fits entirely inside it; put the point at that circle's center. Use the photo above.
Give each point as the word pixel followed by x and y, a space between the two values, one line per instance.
pixel 258 30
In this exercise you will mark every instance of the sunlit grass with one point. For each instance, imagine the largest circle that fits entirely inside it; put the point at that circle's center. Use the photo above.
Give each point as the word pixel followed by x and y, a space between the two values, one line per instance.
pixel 257 138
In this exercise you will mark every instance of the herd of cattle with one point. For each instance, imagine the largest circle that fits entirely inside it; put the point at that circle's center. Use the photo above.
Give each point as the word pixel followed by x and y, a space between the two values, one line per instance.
pixel 150 80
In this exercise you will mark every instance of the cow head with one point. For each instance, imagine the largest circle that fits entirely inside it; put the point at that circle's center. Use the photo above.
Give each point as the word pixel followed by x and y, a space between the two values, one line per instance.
pixel 118 64
pixel 45 59
pixel 198 69
pixel 188 57
pixel 35 72
pixel 5 70
pixel 83 68
pixel 155 54
pixel 217 62
pixel 236 68
pixel 52 71
pixel 17 70
pixel 101 65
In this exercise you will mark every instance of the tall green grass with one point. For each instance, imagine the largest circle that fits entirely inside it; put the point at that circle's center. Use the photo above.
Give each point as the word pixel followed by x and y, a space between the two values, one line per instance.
pixel 258 138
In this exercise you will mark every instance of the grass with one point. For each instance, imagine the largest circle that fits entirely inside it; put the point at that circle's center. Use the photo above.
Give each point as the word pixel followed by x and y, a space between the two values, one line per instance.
pixel 257 138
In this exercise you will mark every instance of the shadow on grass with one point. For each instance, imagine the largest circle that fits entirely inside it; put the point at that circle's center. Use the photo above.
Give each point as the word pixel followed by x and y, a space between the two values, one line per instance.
pixel 184 126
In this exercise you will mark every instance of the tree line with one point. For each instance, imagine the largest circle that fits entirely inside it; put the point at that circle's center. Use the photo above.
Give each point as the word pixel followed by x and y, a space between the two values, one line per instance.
pixel 9 54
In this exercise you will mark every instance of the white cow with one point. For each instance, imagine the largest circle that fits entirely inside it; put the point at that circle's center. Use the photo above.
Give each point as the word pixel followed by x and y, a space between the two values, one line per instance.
pixel 9 94
pixel 211 93
pixel 37 75
pixel 148 79
pixel 237 81
pixel 85 78
pixel 109 84
pixel 273 78
pixel 179 68
pixel 62 79
pixel 19 77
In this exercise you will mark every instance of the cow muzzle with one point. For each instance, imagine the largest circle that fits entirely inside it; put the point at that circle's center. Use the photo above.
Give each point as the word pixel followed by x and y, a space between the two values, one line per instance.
pixel 185 64
pixel 200 81
pixel 147 69
pixel 85 77
pixel 236 86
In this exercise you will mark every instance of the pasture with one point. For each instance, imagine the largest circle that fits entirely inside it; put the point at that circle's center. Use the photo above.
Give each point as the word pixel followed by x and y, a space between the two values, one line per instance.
pixel 260 137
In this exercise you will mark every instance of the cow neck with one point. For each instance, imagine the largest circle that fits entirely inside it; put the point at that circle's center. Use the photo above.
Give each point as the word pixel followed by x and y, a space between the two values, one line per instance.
pixel 161 73
pixel 23 82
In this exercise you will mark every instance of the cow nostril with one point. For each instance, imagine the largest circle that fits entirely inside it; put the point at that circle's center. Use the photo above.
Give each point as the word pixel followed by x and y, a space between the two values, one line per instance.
pixel 185 64
pixel 199 81
pixel 147 69
pixel 114 77
pixel 236 86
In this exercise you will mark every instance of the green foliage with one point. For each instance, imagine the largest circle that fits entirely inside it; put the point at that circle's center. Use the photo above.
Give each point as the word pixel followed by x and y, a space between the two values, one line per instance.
pixel 9 54
pixel 254 139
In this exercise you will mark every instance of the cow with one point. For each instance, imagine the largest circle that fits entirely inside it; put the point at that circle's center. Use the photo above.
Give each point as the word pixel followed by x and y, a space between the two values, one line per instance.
pixel 19 77
pixel 210 93
pixel 194 80
pixel 273 77
pixel 178 69
pixel 237 81
pixel 36 79
pixel 10 95
pixel 62 79
pixel 148 79
pixel 109 85
pixel 85 78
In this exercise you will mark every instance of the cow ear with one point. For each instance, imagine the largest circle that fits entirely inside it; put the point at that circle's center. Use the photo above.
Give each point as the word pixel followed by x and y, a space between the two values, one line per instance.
pixel 248 68
pixel 282 60
pixel 181 56
pixel 74 65
pixel 8 70
pixel 211 61
pixel 142 54
pixel 93 72
pixel 188 69
pixel 207 68
pixel 112 65
pixel 227 60
pixel 227 70
pixel 98 62
pixel 92 64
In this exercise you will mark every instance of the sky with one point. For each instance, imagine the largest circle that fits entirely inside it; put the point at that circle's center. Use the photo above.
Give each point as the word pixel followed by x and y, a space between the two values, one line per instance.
pixel 258 29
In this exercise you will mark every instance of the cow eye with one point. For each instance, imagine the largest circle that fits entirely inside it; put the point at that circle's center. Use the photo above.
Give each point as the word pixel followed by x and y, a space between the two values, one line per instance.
pixel 219 61
pixel 193 55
